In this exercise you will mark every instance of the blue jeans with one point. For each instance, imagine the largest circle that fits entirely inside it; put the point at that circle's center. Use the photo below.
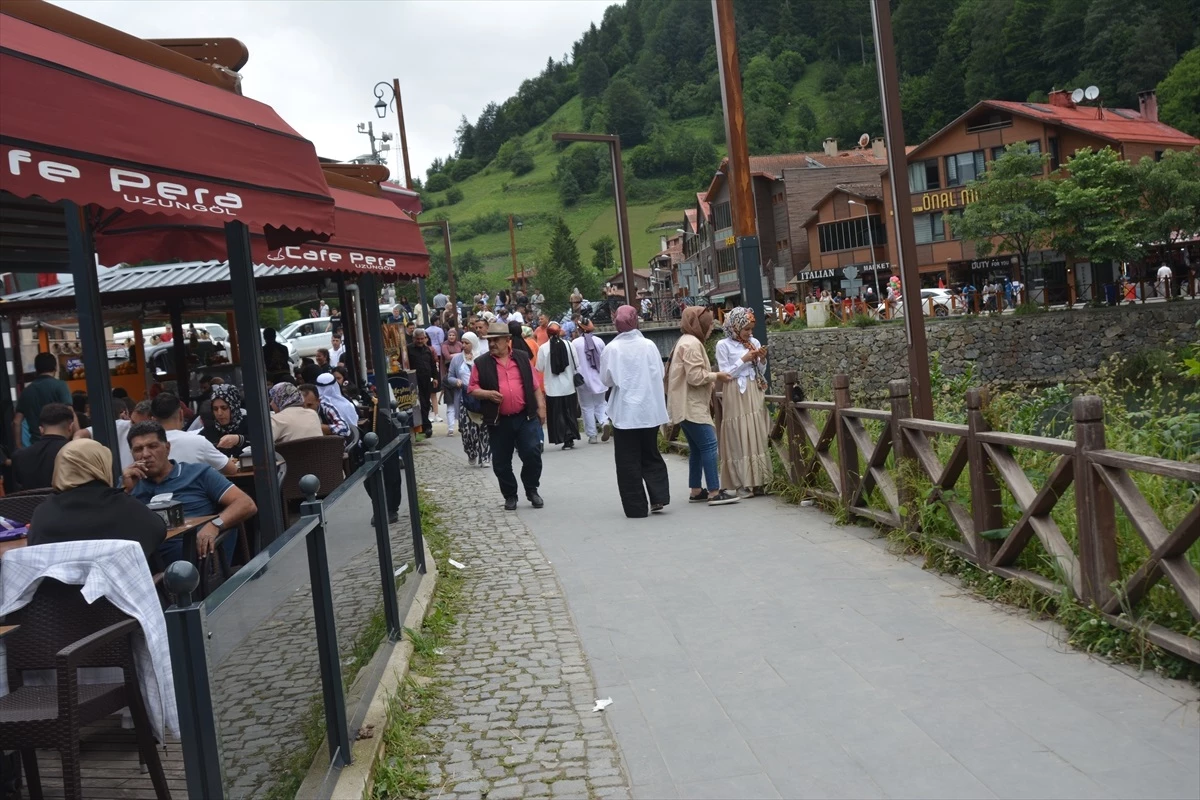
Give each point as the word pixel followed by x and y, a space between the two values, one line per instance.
pixel 702 454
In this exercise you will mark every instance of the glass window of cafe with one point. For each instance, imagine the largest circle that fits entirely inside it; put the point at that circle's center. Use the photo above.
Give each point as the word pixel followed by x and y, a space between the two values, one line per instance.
pixel 850 234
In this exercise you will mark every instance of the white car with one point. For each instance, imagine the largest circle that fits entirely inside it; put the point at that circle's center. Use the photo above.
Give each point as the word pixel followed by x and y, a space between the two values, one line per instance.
pixel 304 337
pixel 943 302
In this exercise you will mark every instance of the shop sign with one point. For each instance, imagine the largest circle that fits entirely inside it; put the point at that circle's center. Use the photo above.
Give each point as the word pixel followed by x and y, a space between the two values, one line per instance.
pixel 843 272
pixel 954 198
pixel 730 241
pixel 990 263
pixel 299 255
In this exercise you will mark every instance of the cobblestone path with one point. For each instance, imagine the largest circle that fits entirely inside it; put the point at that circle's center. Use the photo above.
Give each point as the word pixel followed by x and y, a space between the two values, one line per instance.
pixel 521 722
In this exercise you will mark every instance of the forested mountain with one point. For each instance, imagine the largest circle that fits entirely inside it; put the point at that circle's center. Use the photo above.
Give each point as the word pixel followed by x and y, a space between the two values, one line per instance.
pixel 649 73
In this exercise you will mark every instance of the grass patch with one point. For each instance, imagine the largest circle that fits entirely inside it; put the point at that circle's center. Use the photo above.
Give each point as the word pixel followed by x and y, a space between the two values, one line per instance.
pixel 407 746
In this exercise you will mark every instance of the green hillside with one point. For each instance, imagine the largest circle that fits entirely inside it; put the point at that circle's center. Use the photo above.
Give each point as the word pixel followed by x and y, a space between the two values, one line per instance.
pixel 648 73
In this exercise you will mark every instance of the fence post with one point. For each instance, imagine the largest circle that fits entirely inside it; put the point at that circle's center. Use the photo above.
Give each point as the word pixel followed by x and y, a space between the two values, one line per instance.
pixel 1094 507
pixel 186 638
pixel 790 379
pixel 325 625
pixel 901 403
pixel 408 464
pixel 986 511
pixel 847 449
pixel 383 536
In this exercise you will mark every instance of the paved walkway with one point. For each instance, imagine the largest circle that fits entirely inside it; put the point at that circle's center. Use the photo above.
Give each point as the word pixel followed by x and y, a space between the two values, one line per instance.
pixel 758 650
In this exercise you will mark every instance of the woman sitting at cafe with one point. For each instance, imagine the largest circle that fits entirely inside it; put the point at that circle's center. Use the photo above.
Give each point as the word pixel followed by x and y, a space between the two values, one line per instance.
pixel 226 426
pixel 290 420
pixel 88 507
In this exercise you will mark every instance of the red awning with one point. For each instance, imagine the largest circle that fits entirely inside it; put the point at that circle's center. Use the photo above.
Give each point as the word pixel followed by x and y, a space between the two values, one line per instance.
pixel 373 236
pixel 81 123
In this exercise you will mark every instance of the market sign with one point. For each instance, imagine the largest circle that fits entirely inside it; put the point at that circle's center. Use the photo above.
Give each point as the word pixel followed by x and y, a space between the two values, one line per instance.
pixel 841 272
pixel 954 198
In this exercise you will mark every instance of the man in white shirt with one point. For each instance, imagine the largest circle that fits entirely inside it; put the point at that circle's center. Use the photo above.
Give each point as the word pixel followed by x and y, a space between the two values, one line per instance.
pixel 1164 281
pixel 517 316
pixel 336 349
pixel 140 413
pixel 632 366
pixel 588 349
pixel 188 448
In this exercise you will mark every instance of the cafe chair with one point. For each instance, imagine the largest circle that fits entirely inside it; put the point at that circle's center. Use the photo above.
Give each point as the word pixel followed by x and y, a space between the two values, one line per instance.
pixel 61 632
pixel 315 455
pixel 21 505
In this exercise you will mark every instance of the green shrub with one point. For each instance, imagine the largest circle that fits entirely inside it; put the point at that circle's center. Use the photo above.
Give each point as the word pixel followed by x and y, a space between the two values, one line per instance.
pixel 454 195
pixel 438 182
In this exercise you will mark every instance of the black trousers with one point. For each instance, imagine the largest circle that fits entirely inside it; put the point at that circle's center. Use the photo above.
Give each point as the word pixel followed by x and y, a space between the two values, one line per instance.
pixel 522 434
pixel 639 462
pixel 424 390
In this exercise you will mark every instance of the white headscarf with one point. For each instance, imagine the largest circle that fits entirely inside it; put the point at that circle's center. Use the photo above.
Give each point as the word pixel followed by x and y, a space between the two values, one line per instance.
pixel 330 391
pixel 476 346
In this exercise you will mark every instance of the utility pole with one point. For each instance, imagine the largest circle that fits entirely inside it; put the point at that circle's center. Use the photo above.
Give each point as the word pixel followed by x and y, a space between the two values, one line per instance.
pixel 893 131
pixel 445 226
pixel 512 247
pixel 741 188
pixel 381 107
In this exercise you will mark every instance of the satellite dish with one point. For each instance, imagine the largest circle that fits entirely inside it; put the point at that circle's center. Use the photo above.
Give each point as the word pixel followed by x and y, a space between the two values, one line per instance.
pixel 1077 96
pixel 864 140
pixel 1092 92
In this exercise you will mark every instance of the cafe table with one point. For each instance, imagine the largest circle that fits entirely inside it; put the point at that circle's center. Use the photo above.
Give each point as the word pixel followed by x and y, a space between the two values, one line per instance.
pixel 187 530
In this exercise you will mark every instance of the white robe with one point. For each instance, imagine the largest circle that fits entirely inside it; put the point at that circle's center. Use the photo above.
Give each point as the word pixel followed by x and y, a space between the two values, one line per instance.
pixel 632 366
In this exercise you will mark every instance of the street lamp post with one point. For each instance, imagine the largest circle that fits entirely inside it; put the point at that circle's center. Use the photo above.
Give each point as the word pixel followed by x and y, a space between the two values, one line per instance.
pixel 382 102
pixel 870 242
pixel 445 226
pixel 614 151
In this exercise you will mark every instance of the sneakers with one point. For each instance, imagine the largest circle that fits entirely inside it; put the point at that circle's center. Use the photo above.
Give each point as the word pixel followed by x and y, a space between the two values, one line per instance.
pixel 699 498
pixel 593 439
pixel 607 432
pixel 656 508
pixel 745 492
pixel 723 498
pixel 450 432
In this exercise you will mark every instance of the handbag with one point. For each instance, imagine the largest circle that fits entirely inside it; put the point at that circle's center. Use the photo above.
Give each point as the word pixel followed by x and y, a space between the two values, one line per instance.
pixel 578 380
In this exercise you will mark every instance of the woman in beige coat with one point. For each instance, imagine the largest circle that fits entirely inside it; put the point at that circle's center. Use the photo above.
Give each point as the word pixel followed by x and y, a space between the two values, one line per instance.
pixel 690 380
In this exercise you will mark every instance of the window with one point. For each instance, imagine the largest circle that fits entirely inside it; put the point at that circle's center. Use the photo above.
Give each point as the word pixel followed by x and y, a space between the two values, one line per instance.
pixel 850 233
pixel 1055 161
pixel 726 260
pixel 923 176
pixel 781 245
pixel 929 227
pixel 964 167
pixel 722 218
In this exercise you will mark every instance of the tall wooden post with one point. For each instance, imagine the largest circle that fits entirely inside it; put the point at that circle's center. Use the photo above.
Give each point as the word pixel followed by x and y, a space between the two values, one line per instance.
pixel 893 131
pixel 790 379
pixel 512 246
pixel 741 188
pixel 902 410
pixel 986 511
pixel 1094 508
pixel 408 184
pixel 847 449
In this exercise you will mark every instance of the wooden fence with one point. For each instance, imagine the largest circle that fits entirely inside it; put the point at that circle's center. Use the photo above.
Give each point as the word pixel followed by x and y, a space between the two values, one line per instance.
pixel 839 451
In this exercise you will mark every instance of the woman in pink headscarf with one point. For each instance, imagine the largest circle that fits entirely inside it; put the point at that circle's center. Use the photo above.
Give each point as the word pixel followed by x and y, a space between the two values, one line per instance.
pixel 631 365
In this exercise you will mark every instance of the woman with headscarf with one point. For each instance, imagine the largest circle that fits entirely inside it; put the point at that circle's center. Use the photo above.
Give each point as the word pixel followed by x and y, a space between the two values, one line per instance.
pixel 477 443
pixel 745 465
pixel 588 350
pixel 632 367
pixel 690 380
pixel 556 362
pixel 88 507
pixel 290 420
pixel 450 348
pixel 226 425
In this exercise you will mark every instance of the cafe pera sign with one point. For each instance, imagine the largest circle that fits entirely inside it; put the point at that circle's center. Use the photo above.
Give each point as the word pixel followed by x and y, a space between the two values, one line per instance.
pixel 332 257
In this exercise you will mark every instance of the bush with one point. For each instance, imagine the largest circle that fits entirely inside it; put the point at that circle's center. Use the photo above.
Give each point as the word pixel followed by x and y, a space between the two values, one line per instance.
pixel 463 168
pixel 863 321
pixel 521 162
pixel 454 195
pixel 438 182
pixel 1028 308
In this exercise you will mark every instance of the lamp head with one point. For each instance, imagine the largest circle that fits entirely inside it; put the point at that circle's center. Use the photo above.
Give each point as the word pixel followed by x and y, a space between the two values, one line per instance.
pixel 381 108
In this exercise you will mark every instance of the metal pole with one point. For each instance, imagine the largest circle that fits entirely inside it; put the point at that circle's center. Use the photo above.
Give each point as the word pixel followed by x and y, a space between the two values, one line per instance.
pixel 361 312
pixel 893 125
pixel 741 189
pixel 512 246
pixel 380 359
pixel 408 184
pixel 254 384
pixel 82 255
pixel 179 350
pixel 414 503
pixel 383 536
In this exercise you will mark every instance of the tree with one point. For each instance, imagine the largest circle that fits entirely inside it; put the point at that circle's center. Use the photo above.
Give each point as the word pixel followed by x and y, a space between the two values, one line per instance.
pixel 1179 94
pixel 593 76
pixel 602 254
pixel 559 269
pixel 568 187
pixel 521 162
pixel 454 195
pixel 1009 214
pixel 1095 213
pixel 1170 195
pixel 626 111
pixel 438 182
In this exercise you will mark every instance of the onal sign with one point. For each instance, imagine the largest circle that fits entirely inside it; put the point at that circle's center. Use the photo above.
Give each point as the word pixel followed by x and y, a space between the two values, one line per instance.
pixel 730 241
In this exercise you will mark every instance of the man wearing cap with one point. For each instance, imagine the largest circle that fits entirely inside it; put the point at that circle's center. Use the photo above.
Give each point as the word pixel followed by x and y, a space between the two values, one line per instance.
pixel 514 410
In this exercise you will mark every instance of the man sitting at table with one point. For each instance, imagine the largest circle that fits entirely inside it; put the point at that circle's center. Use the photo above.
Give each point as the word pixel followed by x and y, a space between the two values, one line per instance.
pixel 191 448
pixel 201 489
pixel 33 466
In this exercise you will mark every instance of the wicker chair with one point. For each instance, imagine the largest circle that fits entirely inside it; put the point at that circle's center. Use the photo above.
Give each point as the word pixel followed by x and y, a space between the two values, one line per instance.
pixel 20 505
pixel 315 455
pixel 61 631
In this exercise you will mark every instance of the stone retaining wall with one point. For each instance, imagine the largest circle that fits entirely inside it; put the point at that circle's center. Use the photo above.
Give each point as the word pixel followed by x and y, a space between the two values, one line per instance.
pixel 1040 349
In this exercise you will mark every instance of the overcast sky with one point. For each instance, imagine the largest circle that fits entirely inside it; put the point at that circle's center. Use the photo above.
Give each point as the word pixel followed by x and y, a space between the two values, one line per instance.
pixel 317 61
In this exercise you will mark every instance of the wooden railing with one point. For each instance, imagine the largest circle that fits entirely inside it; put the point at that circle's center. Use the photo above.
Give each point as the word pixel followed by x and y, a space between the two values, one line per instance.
pixel 837 461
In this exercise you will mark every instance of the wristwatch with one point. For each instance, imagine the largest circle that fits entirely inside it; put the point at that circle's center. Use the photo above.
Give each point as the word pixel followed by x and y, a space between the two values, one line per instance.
pixel 218 523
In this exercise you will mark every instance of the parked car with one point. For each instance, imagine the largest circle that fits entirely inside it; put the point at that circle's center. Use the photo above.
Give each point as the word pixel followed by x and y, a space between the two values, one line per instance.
pixel 943 304
pixel 304 337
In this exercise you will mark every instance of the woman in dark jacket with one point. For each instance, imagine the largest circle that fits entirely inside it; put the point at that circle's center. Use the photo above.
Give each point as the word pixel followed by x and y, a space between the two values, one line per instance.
pixel 88 507
pixel 226 425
